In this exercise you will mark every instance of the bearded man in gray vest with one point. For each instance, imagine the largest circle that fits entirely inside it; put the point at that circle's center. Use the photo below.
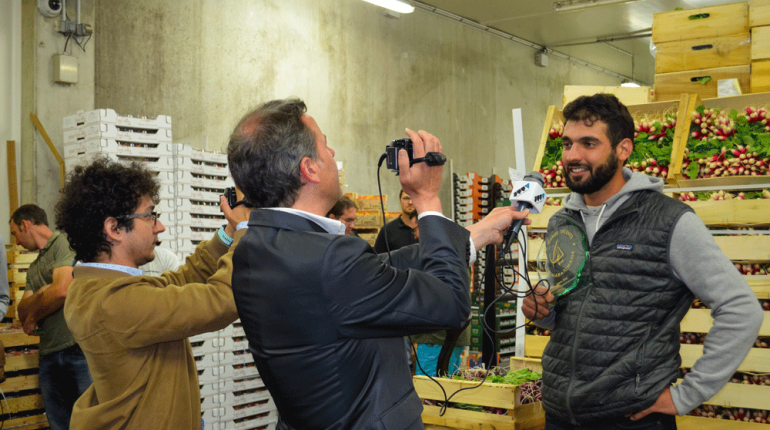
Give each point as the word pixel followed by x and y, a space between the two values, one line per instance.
pixel 614 349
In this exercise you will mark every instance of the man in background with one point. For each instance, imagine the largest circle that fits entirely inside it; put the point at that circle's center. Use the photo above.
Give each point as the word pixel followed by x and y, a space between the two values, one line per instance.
pixel 402 231
pixel 345 211
pixel 165 259
pixel 64 374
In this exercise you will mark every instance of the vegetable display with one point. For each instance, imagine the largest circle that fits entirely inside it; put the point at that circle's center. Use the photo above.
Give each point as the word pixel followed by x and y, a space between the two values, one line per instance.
pixel 720 143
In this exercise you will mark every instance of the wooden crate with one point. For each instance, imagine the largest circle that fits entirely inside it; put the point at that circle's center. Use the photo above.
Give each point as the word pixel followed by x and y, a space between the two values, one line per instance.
pixel 760 76
pixel 697 54
pixel 671 86
pixel 716 21
pixel 371 203
pixel 760 43
pixel 520 417
pixel 369 220
pixel 759 13
pixel 684 119
pixel 626 95
pixel 700 321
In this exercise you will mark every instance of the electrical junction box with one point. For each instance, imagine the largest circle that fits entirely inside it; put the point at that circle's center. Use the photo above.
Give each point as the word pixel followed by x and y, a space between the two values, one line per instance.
pixel 65 69
pixel 541 59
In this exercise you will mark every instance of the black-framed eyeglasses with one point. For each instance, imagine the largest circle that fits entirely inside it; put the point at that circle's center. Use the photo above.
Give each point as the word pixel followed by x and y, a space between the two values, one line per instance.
pixel 153 214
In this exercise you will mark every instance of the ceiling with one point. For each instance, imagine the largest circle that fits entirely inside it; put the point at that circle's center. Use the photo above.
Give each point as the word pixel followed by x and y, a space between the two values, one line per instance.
pixel 574 33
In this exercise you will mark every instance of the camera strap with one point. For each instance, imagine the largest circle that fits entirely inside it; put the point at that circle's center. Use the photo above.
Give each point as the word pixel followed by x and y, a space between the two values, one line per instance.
pixel 431 159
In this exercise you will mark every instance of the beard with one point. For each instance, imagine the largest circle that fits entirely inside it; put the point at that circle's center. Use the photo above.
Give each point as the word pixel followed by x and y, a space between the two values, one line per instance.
pixel 598 178
pixel 411 214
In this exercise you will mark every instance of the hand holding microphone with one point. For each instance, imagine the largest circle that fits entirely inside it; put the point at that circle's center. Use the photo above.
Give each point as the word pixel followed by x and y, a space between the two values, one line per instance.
pixel 527 194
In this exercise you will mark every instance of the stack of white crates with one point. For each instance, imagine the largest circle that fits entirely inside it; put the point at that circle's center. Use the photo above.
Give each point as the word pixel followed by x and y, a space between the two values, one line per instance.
pixel 233 395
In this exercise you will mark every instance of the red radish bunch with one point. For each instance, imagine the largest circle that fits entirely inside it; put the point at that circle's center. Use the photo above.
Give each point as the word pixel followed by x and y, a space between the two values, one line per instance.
pixel 753 269
pixel 713 124
pixel 649 167
pixel 692 338
pixel 554 175
pixel 553 201
pixel 762 342
pixel 688 197
pixel 757 115
pixel 735 162
pixel 750 379
pixel 556 131
pixel 653 133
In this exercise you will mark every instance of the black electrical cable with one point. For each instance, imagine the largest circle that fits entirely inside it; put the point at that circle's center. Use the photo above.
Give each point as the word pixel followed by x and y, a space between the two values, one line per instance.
pixel 382 207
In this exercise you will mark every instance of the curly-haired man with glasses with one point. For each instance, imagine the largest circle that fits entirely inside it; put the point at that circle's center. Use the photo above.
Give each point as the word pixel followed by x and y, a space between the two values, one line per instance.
pixel 133 328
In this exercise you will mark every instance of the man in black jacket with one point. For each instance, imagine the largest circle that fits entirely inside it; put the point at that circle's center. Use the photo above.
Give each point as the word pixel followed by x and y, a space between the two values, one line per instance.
pixel 323 313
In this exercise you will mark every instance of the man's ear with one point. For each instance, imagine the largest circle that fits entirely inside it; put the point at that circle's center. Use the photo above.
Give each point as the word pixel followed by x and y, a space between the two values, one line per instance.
pixel 624 150
pixel 309 171
pixel 332 216
pixel 112 229
pixel 26 225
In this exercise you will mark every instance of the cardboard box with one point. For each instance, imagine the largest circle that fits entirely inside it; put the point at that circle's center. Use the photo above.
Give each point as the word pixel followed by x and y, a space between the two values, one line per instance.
pixel 699 23
pixel 371 203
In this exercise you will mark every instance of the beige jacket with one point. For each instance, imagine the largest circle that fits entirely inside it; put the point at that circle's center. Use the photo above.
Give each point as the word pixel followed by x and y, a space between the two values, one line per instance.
pixel 133 331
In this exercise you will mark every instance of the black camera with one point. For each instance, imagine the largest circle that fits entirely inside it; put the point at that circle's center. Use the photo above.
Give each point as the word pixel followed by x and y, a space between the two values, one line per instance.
pixel 391 155
pixel 391 151
pixel 232 199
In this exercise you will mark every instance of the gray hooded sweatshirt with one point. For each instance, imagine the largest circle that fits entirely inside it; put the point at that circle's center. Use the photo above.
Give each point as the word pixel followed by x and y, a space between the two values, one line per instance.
pixel 698 262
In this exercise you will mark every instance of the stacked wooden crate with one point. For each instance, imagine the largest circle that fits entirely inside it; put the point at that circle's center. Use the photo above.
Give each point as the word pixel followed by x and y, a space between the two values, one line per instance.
pixel 24 407
pixel 759 22
pixel 696 48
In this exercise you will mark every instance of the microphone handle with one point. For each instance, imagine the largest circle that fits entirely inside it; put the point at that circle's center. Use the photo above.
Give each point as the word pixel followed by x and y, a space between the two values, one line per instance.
pixel 515 226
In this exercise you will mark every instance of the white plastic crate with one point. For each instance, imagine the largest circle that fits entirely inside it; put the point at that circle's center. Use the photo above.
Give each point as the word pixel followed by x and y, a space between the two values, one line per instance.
pixel 215 374
pixel 231 385
pixel 205 194
pixel 112 131
pixel 221 399
pixel 243 357
pixel 209 168
pixel 230 413
pixel 218 183
pixel 204 207
pixel 202 233
pixel 210 221
pixel 213 359
pixel 265 421
pixel 173 190
pixel 109 116
pixel 175 205
pixel 110 146
pixel 209 156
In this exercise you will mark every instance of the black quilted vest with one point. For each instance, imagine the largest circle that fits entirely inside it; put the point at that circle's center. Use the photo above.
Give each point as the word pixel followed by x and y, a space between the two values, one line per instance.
pixel 615 347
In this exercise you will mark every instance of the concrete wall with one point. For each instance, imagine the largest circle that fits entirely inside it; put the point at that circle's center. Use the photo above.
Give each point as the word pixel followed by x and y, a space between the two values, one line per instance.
pixel 10 102
pixel 49 101
pixel 364 76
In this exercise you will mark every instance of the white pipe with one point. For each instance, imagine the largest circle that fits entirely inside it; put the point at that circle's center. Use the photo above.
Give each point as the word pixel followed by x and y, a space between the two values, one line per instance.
pixel 63 14
pixel 78 12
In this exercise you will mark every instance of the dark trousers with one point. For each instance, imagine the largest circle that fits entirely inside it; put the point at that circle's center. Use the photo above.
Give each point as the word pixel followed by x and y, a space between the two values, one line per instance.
pixel 650 422
pixel 63 377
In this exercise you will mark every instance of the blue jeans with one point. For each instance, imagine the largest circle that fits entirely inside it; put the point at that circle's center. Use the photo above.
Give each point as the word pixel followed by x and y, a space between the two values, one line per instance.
pixel 63 377
pixel 427 356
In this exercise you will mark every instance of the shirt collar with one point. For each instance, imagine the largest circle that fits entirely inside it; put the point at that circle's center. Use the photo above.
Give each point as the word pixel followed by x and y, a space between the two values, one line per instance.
pixel 51 240
pixel 133 271
pixel 332 226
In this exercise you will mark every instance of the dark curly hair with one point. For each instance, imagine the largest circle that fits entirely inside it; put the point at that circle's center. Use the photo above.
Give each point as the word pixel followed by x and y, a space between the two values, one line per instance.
pixel 606 108
pixel 265 150
pixel 95 192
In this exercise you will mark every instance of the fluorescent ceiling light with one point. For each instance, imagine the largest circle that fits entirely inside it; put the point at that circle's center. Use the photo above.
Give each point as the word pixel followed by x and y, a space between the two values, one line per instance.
pixel 630 84
pixel 394 5
pixel 567 5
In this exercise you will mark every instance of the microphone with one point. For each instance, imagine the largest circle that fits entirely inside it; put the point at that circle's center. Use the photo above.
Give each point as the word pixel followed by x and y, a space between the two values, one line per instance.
pixel 527 194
